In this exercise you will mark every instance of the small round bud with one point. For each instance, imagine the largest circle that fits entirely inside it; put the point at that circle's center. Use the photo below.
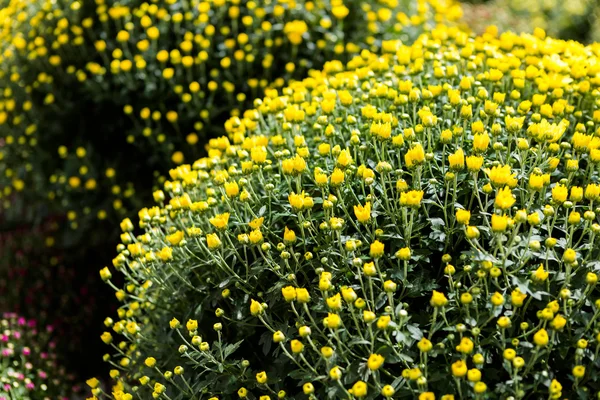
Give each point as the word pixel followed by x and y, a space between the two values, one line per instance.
pixel 535 245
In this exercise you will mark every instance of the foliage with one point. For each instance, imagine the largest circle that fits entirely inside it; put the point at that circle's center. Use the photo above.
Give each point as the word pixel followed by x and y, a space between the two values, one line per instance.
pixel 418 223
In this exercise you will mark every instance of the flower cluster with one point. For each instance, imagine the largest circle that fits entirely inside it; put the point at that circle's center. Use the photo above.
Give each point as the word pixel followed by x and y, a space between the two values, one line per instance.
pixel 175 70
pixel 28 366
pixel 51 173
pixel 151 76
pixel 45 156
pixel 97 95
pixel 419 223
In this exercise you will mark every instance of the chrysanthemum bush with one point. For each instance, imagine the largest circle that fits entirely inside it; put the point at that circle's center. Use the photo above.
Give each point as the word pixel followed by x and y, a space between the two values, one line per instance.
pixel 97 95
pixel 48 136
pixel 421 223
pixel 176 69
pixel 28 364
pixel 51 153
pixel 121 88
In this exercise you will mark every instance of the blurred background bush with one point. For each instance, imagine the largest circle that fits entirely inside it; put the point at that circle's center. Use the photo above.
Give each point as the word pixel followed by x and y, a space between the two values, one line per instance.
pixel 29 366
pixel 569 20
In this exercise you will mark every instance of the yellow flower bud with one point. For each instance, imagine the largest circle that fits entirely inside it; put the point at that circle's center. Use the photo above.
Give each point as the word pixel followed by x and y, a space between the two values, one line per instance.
pixel 335 373
pixel 438 299
pixel 256 308
pixel 297 346
pixel 459 369
pixel 359 389
pixel 375 361
pixel 289 293
pixel 278 337
pixel 541 338
pixel 463 216
pixel 261 377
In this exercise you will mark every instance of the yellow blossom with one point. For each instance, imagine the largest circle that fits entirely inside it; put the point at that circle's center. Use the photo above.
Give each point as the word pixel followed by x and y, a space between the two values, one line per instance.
pixel 541 338
pixel 220 221
pixel 459 369
pixel 499 222
pixel 377 249
pixel 504 199
pixel 457 160
pixel 359 389
pixel 289 293
pixel 411 198
pixel 501 176
pixel 463 216
pixel 438 299
pixel 375 361
pixel 289 235
pixel 414 156
pixel 213 241
pixel 363 213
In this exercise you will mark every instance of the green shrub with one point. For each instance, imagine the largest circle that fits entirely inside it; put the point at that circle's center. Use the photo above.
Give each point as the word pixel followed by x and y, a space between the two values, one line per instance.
pixel 420 223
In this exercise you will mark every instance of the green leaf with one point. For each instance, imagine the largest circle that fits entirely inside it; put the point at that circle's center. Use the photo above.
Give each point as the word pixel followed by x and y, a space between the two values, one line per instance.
pixel 231 348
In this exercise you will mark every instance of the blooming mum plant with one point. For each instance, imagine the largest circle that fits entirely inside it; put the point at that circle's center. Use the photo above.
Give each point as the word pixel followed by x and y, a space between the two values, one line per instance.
pixel 149 77
pixel 97 95
pixel 179 67
pixel 28 364
pixel 416 224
